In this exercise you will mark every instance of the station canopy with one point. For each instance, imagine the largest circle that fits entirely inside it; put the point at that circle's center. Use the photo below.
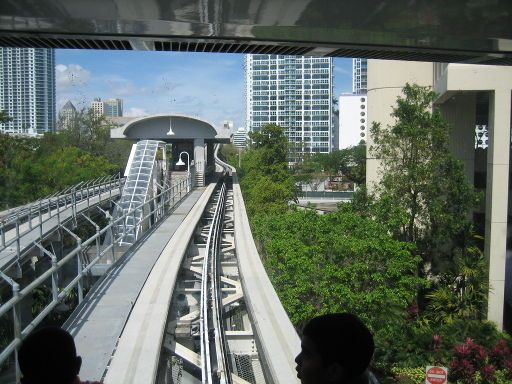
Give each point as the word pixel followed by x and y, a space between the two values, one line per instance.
pixel 170 127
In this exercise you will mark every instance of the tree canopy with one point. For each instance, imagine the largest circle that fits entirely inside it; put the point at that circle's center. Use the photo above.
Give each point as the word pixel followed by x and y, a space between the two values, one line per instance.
pixel 423 189
pixel 31 168
pixel 266 181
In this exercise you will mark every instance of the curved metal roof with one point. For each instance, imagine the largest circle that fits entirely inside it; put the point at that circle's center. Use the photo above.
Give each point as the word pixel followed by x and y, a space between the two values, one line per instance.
pixel 430 30
pixel 168 127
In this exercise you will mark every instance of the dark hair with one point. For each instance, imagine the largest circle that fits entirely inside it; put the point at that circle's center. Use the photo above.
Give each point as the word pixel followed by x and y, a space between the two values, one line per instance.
pixel 49 356
pixel 342 338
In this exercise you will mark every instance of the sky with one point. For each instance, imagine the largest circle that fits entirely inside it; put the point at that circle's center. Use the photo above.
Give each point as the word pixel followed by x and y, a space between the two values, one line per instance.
pixel 206 85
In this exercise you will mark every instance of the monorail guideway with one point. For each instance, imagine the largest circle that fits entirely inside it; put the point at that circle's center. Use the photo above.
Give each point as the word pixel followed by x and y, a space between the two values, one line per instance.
pixel 209 335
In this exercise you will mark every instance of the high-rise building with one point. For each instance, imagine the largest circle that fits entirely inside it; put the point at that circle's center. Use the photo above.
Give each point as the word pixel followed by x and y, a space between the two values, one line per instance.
pixel 66 115
pixel 113 107
pixel 240 138
pixel 98 107
pixel 352 119
pixel 108 108
pixel 294 92
pixel 359 75
pixel 27 90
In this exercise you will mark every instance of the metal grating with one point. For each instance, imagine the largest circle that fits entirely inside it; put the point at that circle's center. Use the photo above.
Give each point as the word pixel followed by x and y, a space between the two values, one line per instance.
pixel 184 46
pixel 136 190
pixel 385 53
pixel 174 371
pixel 247 367
pixel 65 43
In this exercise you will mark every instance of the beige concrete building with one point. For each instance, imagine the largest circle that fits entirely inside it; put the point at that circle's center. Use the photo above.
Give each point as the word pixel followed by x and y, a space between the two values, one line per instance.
pixel 458 86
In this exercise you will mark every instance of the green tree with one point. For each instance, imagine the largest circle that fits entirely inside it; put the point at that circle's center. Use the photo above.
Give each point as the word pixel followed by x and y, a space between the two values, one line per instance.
pixel 270 147
pixel 266 181
pixel 16 158
pixel 91 133
pixel 337 262
pixel 4 117
pixel 423 188
pixel 68 166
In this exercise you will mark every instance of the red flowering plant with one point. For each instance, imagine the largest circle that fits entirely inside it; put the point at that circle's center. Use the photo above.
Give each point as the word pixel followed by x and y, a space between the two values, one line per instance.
pixel 471 358
pixel 501 357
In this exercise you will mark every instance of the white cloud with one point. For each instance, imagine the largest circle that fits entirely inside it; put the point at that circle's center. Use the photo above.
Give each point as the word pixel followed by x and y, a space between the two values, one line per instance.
pixel 135 112
pixel 72 75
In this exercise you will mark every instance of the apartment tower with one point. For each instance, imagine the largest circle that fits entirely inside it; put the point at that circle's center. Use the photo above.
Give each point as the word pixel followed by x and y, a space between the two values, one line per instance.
pixel 294 92
pixel 27 90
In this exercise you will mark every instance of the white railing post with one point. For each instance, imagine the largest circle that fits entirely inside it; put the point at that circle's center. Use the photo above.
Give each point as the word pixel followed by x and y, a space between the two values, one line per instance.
pixel 80 285
pixel 16 317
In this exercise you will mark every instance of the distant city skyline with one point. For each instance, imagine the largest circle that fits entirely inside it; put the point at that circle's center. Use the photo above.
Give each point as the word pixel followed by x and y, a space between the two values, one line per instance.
pixel 209 85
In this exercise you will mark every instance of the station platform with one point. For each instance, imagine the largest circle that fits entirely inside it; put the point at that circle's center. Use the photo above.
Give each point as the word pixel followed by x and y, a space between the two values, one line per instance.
pixel 98 322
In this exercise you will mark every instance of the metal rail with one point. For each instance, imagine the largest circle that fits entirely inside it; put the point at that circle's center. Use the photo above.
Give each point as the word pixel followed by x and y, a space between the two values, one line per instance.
pixel 53 205
pixel 214 366
pixel 157 208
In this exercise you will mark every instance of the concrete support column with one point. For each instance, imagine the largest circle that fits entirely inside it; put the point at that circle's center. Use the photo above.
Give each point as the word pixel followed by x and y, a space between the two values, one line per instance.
pixel 497 200
pixel 200 163
pixel 460 112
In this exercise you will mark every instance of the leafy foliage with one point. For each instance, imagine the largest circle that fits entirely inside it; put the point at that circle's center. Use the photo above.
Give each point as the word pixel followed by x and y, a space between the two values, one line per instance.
pixel 473 363
pixel 4 117
pixel 462 290
pixel 421 180
pixel 31 168
pixel 266 182
pixel 374 256
pixel 337 262
pixel 405 343
pixel 349 162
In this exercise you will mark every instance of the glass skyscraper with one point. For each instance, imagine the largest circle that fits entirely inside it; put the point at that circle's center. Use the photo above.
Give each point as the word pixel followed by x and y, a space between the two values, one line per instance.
pixel 27 89
pixel 359 75
pixel 113 107
pixel 294 92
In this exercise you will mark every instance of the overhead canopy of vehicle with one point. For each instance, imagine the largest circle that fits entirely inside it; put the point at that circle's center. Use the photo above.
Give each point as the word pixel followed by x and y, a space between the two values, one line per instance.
pixel 436 30
pixel 169 127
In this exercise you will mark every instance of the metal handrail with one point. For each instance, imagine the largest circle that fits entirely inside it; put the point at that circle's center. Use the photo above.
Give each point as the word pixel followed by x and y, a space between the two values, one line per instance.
pixel 62 196
pixel 163 203
pixel 98 187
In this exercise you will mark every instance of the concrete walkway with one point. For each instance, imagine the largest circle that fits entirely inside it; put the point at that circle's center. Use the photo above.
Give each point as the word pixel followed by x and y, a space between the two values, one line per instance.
pixel 98 323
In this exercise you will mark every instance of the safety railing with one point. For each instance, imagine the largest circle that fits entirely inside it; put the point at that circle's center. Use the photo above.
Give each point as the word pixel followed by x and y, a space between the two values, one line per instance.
pixel 34 215
pixel 157 208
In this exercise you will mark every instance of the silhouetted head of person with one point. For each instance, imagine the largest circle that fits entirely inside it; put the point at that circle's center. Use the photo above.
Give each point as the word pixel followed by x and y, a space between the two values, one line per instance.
pixel 48 356
pixel 336 348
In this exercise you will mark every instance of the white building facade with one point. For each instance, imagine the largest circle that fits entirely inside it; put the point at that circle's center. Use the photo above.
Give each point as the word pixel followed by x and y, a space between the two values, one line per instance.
pixel 240 138
pixel 98 107
pixel 359 75
pixel 27 90
pixel 294 92
pixel 353 120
